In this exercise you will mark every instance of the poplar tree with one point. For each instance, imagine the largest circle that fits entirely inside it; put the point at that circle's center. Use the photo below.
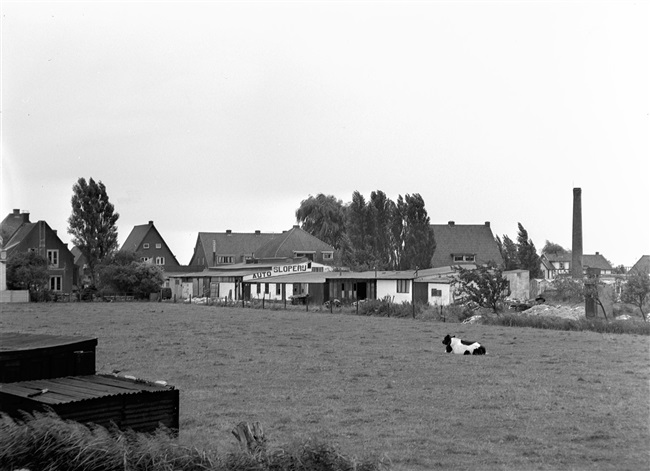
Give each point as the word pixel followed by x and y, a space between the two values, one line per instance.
pixel 527 254
pixel 417 241
pixel 381 210
pixel 508 251
pixel 92 223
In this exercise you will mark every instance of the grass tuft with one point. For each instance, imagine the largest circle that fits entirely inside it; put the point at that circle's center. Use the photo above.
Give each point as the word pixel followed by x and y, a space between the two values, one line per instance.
pixel 44 441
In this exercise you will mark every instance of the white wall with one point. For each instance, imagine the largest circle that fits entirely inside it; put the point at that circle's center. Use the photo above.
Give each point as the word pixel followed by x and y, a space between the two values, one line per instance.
pixel 445 299
pixel 389 288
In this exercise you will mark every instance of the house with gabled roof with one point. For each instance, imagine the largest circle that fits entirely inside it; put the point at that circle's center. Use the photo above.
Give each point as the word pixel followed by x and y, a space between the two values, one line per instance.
pixel 294 244
pixel 461 244
pixel 19 234
pixel 554 264
pixel 227 248
pixel 149 245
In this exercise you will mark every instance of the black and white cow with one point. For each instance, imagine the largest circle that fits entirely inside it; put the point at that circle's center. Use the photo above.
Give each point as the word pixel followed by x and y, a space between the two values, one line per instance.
pixel 463 347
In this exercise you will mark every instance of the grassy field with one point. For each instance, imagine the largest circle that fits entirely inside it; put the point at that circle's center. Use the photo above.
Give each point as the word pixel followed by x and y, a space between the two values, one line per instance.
pixel 379 386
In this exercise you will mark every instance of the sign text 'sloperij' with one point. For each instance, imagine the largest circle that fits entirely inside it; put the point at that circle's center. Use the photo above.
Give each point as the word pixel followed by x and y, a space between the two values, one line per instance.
pixel 278 270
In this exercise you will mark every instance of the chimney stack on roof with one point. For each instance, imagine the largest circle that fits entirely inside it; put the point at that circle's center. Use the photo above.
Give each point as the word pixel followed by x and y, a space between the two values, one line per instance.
pixel 151 223
pixel 487 223
pixel 576 248
pixel 451 223
pixel 228 231
pixel 257 232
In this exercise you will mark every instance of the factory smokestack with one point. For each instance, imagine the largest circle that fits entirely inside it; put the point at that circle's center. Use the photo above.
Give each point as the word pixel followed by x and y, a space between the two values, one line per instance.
pixel 576 248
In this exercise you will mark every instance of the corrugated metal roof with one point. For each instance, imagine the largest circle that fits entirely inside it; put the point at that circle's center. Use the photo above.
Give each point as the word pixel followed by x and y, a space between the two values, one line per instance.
pixel 70 389
pixel 16 341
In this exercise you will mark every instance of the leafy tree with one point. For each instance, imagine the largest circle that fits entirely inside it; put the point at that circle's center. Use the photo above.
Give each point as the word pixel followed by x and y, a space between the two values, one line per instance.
pixel 508 251
pixel 417 234
pixel 92 223
pixel 553 248
pixel 636 290
pixel 619 270
pixel 527 254
pixel 27 270
pixel 124 274
pixel 483 285
pixel 323 216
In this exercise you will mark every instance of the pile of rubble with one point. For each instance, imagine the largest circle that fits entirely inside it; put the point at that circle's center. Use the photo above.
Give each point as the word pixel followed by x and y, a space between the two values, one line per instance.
pixel 566 312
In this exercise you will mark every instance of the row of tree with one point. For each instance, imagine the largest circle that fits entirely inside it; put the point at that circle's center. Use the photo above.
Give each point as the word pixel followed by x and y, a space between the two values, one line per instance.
pixel 374 234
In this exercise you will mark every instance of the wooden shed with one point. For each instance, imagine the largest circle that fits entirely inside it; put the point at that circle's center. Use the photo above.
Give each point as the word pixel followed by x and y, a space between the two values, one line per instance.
pixel 38 356
pixel 100 399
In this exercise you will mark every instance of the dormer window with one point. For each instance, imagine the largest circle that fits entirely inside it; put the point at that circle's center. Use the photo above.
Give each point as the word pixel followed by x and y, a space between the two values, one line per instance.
pixel 464 257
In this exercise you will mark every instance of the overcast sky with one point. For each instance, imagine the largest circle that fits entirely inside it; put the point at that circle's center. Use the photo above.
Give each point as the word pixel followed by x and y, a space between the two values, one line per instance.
pixel 210 116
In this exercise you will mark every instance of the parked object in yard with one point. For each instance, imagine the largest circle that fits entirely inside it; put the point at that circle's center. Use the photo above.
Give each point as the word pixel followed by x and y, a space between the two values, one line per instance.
pixel 462 347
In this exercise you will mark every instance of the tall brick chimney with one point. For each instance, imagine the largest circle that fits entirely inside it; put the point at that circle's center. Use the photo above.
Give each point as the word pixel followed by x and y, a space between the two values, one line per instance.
pixel 576 247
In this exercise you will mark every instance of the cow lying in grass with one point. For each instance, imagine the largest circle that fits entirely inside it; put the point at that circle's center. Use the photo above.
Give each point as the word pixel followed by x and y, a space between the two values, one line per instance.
pixel 463 347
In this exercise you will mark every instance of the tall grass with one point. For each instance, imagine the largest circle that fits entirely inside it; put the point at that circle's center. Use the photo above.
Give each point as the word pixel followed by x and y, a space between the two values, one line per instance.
pixel 46 442
pixel 603 326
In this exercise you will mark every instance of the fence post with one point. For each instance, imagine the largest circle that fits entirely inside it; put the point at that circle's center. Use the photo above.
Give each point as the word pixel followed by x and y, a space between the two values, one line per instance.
pixel 307 302
pixel 357 305
pixel 263 297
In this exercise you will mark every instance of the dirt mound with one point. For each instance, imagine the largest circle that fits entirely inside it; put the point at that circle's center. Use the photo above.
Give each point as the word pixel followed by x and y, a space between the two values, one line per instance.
pixel 566 312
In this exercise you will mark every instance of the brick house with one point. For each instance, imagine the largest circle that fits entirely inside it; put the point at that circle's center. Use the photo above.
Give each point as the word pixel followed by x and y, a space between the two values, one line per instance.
pixel 214 249
pixel 149 245
pixel 296 243
pixel 461 244
pixel 19 234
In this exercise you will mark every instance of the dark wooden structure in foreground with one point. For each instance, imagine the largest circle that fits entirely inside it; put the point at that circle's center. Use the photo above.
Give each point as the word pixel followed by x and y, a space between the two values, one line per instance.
pixel 98 399
pixel 46 372
pixel 38 356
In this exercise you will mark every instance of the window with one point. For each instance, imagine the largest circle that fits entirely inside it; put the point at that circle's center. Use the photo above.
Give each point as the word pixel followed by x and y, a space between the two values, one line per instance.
pixel 55 283
pixel 278 289
pixel 403 286
pixel 145 246
pixel 225 259
pixel 464 258
pixel 159 246
pixel 146 259
pixel 436 293
pixel 53 258
pixel 328 255
pixel 160 260
pixel 266 288
pixel 259 289
pixel 307 255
